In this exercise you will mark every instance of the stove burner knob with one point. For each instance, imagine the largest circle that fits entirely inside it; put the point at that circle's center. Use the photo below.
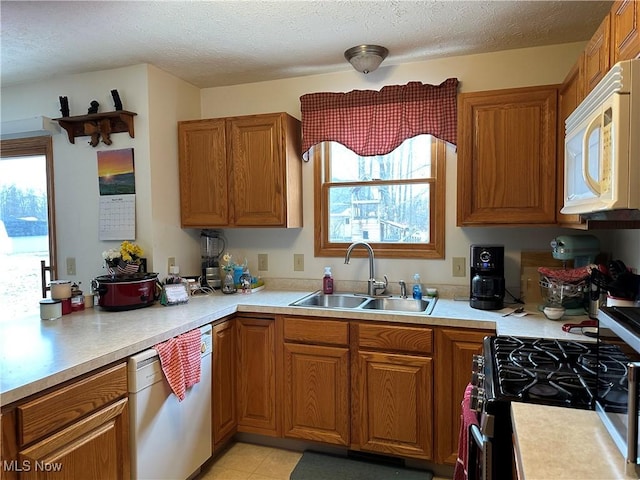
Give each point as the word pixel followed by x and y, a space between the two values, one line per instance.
pixel 477 378
pixel 476 401
pixel 477 363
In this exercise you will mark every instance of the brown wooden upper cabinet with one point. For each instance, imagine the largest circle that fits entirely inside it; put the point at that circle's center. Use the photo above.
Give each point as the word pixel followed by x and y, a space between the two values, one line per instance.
pixel 507 157
pixel 596 58
pixel 241 172
pixel 616 39
pixel 625 30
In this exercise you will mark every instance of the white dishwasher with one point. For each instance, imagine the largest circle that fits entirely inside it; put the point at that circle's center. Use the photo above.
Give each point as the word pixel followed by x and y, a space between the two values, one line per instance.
pixel 170 440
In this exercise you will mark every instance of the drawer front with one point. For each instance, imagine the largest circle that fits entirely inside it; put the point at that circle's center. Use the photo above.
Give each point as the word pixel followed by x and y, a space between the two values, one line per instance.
pixel 304 330
pixel 401 339
pixel 61 407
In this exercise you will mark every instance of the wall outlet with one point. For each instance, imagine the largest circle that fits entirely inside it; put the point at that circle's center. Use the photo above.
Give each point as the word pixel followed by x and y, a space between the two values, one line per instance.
pixel 298 262
pixel 459 268
pixel 263 262
pixel 71 266
pixel 171 262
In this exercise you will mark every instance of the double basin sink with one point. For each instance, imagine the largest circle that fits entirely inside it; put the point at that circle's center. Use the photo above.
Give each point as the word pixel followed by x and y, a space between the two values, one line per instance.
pixel 353 301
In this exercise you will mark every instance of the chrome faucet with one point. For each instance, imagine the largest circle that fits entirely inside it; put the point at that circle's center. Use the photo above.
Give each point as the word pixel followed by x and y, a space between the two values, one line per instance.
pixel 403 289
pixel 372 285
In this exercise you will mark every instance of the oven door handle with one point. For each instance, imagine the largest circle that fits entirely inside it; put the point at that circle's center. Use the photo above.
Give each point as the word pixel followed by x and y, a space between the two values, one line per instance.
pixel 632 415
pixel 479 446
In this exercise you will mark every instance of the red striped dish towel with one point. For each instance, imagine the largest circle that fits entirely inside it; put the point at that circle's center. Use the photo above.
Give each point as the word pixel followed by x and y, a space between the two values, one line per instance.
pixel 467 418
pixel 180 361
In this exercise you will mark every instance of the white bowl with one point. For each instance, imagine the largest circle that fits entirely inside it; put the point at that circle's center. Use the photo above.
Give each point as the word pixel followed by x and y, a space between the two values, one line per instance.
pixel 553 313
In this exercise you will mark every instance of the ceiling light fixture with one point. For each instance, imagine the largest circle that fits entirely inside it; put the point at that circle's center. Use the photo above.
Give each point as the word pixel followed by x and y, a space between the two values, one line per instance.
pixel 366 58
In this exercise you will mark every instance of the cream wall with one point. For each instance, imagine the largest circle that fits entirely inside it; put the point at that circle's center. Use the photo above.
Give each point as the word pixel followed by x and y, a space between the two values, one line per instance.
pixel 170 100
pixel 159 101
pixel 510 68
pixel 514 68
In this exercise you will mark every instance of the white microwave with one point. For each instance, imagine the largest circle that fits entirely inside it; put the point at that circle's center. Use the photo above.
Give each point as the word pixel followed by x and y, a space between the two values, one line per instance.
pixel 602 145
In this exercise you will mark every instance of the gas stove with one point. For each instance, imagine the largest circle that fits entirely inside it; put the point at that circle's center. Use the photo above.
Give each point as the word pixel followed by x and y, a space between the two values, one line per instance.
pixel 517 369
pixel 550 372
pixel 586 375
pixel 533 370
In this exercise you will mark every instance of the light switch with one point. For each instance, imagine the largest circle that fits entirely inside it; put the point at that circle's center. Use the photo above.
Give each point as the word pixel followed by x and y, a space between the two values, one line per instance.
pixel 298 262
pixel 459 267
pixel 263 262
pixel 71 266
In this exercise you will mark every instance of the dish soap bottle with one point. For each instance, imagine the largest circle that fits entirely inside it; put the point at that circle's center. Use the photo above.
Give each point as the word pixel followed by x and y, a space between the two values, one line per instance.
pixel 417 288
pixel 327 281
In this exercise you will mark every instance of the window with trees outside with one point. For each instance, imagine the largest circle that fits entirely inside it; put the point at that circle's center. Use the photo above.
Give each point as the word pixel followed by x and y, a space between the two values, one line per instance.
pixel 395 202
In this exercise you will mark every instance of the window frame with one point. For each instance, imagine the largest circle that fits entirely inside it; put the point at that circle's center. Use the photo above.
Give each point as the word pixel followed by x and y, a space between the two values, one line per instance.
pixel 31 146
pixel 433 250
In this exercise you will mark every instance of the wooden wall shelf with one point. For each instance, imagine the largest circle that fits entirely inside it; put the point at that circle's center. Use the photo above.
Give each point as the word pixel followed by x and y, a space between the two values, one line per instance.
pixel 98 125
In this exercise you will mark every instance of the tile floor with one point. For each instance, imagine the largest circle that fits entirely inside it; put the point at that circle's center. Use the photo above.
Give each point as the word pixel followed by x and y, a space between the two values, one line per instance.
pixel 245 461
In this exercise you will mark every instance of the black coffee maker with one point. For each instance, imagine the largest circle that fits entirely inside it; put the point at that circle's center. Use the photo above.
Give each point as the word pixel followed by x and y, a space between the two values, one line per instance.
pixel 487 277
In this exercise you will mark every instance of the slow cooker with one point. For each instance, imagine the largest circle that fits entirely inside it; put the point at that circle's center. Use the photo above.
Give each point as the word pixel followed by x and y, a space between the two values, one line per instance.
pixel 126 292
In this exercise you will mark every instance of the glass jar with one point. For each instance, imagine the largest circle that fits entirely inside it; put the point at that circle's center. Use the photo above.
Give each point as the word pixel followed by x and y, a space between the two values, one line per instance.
pixel 228 285
pixel 245 282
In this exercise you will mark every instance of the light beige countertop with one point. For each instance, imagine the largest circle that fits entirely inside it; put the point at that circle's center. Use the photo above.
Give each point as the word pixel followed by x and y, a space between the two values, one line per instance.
pixel 37 354
pixel 556 443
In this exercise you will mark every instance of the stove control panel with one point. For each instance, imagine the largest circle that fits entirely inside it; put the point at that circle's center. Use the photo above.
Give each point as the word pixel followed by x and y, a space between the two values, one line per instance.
pixel 477 363
pixel 476 402
pixel 477 379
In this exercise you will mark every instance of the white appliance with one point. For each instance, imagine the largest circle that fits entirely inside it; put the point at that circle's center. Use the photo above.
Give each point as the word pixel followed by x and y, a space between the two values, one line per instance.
pixel 169 439
pixel 602 145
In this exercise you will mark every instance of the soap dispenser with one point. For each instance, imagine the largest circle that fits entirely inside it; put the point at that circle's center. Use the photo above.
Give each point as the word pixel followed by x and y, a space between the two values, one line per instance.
pixel 417 288
pixel 327 281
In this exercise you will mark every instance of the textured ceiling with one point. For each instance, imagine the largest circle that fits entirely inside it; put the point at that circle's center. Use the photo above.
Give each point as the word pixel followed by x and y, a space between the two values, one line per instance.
pixel 226 42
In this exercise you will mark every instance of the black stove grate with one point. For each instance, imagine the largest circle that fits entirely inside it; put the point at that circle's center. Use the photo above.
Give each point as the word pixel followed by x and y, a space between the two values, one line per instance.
pixel 550 372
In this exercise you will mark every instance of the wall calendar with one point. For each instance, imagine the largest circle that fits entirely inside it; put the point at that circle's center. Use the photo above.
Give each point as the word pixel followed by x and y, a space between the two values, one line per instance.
pixel 116 181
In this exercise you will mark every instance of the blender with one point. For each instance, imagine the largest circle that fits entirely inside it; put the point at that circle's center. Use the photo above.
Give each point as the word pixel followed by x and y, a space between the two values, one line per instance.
pixel 212 244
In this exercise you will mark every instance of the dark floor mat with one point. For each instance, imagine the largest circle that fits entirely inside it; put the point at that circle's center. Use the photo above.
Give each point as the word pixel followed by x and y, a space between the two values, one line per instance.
pixel 317 466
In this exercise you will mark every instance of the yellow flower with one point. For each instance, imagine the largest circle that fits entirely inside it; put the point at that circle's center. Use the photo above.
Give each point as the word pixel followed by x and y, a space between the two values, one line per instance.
pixel 130 252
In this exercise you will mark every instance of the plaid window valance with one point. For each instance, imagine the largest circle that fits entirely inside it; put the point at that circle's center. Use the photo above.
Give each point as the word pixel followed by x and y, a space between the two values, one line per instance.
pixel 373 122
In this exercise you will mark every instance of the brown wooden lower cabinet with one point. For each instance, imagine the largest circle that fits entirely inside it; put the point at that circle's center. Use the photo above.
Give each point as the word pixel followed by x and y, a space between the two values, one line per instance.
pixel 407 383
pixel 257 397
pixel 395 404
pixel 455 348
pixel 316 393
pixel 224 412
pixel 386 388
pixel 392 393
pixel 93 447
pixel 316 380
pixel 80 430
